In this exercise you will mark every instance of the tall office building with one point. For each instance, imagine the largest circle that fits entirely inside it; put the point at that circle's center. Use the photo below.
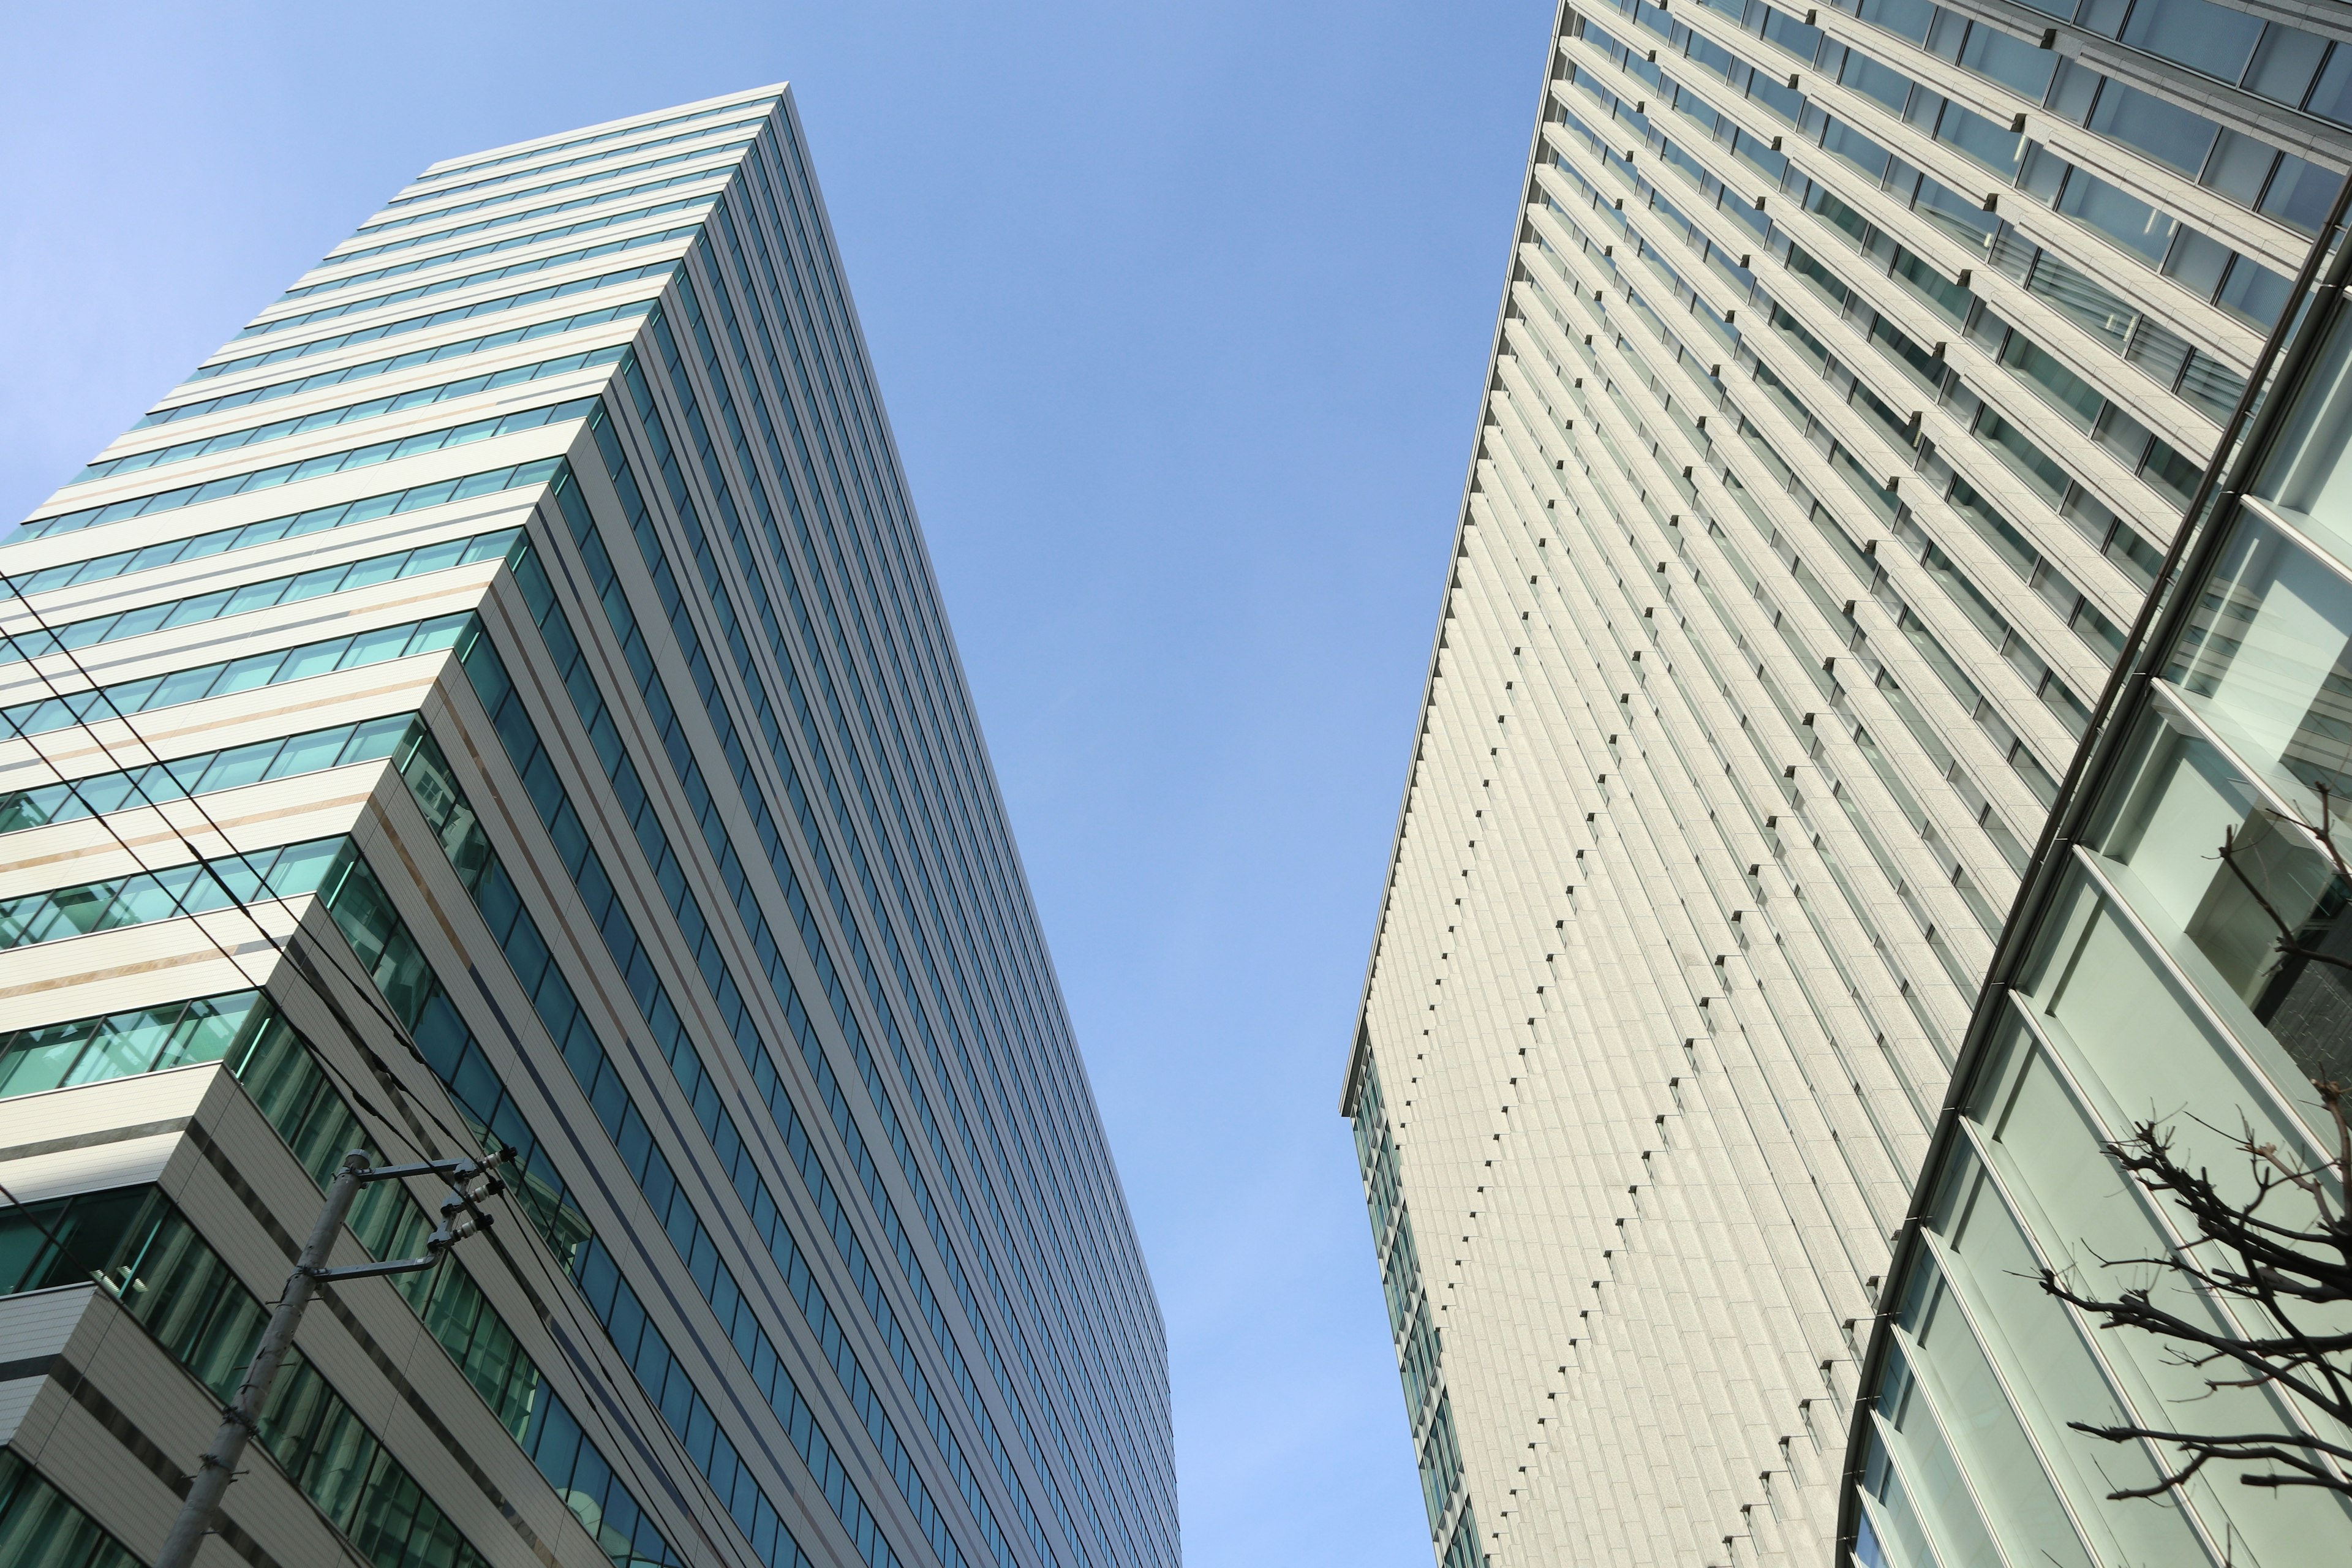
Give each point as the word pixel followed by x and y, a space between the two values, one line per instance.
pixel 1854 369
pixel 2177 961
pixel 501 698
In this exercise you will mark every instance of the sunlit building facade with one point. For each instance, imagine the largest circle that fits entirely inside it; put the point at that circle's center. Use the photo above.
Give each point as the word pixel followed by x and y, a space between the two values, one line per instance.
pixel 501 699
pixel 1857 365
pixel 2180 962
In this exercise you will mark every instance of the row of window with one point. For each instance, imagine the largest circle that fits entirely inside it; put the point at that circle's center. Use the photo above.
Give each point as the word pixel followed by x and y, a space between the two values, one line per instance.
pixel 2151 459
pixel 270 531
pixel 673 748
pixel 328 418
pixel 448 285
pixel 608 155
pixel 2256 175
pixel 2270 59
pixel 419 323
pixel 532 214
pixel 1419 1341
pixel 867 478
pixel 1900 432
pixel 147 896
pixel 164 1274
pixel 245 598
pixel 870 488
pixel 257 480
pixel 2234 163
pixel 1441 1465
pixel 1801 726
pixel 193 685
pixel 2207 386
pixel 489 247
pixel 279 757
pixel 2146 456
pixel 863 963
pixel 2129 114
pixel 1867 571
pixel 39 1524
pixel 516 936
pixel 375 367
pixel 478 164
pixel 563 826
pixel 650 164
pixel 364 912
pixel 854 494
pixel 277 1069
pixel 2247 171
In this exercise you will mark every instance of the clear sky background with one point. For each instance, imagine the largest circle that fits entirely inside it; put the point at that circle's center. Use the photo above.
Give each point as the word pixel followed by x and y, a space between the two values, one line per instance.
pixel 1181 313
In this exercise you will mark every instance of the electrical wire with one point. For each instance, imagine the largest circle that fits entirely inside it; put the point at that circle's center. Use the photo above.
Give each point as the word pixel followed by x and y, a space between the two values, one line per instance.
pixel 291 952
pixel 33 1215
pixel 342 1078
pixel 295 959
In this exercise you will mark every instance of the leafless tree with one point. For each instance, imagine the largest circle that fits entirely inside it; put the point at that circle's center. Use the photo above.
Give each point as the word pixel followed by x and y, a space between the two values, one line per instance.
pixel 2277 1252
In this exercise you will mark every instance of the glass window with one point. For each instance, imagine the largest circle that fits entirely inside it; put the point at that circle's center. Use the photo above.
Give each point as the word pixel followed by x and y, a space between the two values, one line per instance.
pixel 1908 18
pixel 2075 398
pixel 2268 650
pixel 1889 87
pixel 2013 62
pixel 2131 1026
pixel 2331 95
pixel 2162 130
pixel 2299 194
pixel 2195 33
pixel 1997 147
pixel 1983 1428
pixel 2238 167
pixel 2072 89
pixel 2307 477
pixel 2126 219
pixel 2253 292
pixel 2049 1151
pixel 2254 898
pixel 2284 64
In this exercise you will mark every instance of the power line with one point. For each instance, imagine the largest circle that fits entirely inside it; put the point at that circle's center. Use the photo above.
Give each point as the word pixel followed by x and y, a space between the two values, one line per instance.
pixel 33 1215
pixel 289 951
pixel 296 959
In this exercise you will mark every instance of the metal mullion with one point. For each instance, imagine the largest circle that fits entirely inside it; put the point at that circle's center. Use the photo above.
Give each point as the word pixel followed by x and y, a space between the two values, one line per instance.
pixel 2175 706
pixel 2277 520
pixel 2159 1216
pixel 1923 1390
pixel 1938 1250
pixel 1982 1147
pixel 2089 860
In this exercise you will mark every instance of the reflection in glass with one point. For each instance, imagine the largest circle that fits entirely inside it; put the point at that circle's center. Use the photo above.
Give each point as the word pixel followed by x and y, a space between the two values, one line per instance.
pixel 2306 476
pixel 2255 895
pixel 1984 1432
pixel 2268 650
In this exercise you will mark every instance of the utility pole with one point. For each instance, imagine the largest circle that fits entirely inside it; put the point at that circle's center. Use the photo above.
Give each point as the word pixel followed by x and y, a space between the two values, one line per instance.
pixel 460 1218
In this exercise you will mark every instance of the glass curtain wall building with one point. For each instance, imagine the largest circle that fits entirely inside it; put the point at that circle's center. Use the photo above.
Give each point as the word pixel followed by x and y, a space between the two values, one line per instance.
pixel 502 699
pixel 2178 961
pixel 1857 364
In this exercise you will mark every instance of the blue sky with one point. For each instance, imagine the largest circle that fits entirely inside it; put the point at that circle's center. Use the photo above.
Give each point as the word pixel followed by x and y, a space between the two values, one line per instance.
pixel 1181 313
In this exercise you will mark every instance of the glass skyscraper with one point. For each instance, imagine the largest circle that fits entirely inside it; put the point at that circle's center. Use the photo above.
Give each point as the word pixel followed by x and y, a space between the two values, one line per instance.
pixel 502 699
pixel 1855 367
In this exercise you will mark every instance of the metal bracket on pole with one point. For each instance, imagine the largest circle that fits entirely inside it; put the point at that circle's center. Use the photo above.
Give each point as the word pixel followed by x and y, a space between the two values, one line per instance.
pixel 460 1218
